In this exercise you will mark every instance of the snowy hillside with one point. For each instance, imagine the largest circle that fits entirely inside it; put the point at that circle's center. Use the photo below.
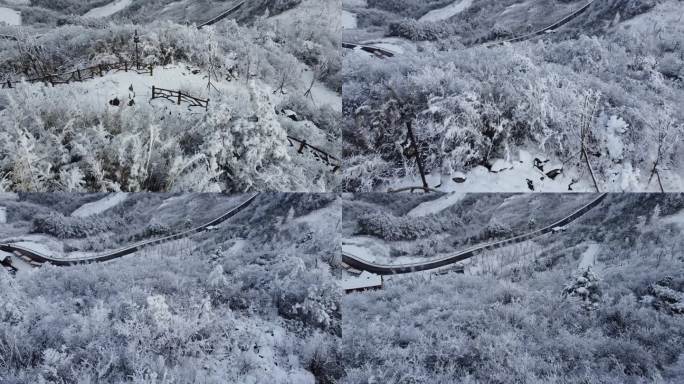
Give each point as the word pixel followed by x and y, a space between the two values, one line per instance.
pixel 582 96
pixel 201 308
pixel 269 102
pixel 601 301
pixel 435 226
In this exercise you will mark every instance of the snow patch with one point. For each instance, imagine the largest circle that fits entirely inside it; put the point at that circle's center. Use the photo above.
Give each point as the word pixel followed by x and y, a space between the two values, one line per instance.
pixel 364 280
pixel 505 177
pixel 437 205
pixel 109 9
pixel 447 12
pixel 348 20
pixel 9 16
pixel 100 206
pixel 589 257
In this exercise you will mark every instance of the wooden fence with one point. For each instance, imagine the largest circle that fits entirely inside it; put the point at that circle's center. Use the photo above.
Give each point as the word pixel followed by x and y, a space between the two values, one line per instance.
pixel 83 74
pixel 318 154
pixel 179 97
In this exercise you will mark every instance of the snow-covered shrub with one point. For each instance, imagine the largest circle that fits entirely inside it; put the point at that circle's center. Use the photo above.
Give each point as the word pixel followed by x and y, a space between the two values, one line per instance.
pixel 420 30
pixel 496 229
pixel 390 227
pixel 665 298
pixel 585 286
pixel 67 227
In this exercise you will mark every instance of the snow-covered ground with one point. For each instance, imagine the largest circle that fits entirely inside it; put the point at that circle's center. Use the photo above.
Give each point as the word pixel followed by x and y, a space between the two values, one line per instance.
pixel 9 16
pixel 497 260
pixel 447 12
pixel 379 251
pixel 507 176
pixel 109 9
pixel 42 244
pixel 348 20
pixel 100 206
pixel 437 205
pixel 364 280
pixel 588 259
pixel 677 218
pixel 322 95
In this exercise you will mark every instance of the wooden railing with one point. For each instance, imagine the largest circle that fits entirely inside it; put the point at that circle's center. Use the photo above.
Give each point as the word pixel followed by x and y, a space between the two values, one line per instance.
pixel 179 97
pixel 36 258
pixel 380 269
pixel 83 74
pixel 318 154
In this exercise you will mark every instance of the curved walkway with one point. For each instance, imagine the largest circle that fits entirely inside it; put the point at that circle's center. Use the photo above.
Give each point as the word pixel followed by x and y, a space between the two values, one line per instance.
pixel 36 258
pixel 381 52
pixel 360 264
pixel 544 30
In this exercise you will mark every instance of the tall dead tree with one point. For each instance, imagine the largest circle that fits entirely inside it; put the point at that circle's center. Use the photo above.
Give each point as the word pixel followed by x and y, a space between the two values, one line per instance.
pixel 587 114
pixel 663 132
pixel 412 149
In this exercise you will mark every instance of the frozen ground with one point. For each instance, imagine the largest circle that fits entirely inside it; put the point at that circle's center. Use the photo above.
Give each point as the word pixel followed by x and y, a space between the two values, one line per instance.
pixel 101 205
pixel 447 12
pixel 588 259
pixel 507 176
pixel 322 95
pixel 10 16
pixel 348 20
pixel 437 205
pixel 109 9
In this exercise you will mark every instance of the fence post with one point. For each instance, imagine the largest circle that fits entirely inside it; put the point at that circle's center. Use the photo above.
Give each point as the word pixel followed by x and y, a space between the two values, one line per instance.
pixel 302 146
pixel 78 71
pixel 179 97
pixel 151 70
pixel 206 106
pixel 153 92
pixel 125 66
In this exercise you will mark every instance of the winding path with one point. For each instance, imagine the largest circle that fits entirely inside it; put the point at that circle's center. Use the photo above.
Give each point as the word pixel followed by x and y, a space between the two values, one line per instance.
pixel 222 15
pixel 362 265
pixel 544 30
pixel 381 52
pixel 37 259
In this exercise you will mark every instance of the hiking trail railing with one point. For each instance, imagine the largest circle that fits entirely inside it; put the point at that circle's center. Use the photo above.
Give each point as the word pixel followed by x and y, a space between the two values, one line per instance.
pixel 36 258
pixel 361 264
pixel 318 154
pixel 221 16
pixel 82 74
pixel 179 97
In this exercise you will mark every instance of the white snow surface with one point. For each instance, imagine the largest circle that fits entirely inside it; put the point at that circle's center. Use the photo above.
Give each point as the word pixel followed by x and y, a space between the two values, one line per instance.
pixel 10 16
pixel 100 206
pixel 589 257
pixel 511 177
pixel 447 12
pixel 348 20
pixel 437 205
pixel 322 95
pixel 377 251
pixel 677 218
pixel 36 246
pixel 364 280
pixel 109 9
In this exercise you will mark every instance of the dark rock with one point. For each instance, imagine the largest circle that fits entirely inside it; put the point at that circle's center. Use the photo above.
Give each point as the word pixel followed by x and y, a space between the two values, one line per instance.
pixel 552 174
